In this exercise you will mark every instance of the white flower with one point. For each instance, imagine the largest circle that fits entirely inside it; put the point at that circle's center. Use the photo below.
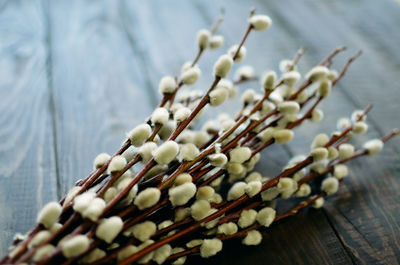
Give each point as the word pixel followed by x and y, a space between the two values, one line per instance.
pixel 181 194
pixel 146 150
pixel 200 209
pixel 217 160
pixel 144 231
pixel 147 198
pixel 291 78
pixel 252 238
pixel 320 140
pixel 166 152
pixel 188 152
pixel 117 163
pixel 248 96
pixel 162 253
pixel 160 116
pixel 288 107
pixel 319 153
pixel 215 42
pixel 244 72
pixel 316 115
pixel 241 54
pixel 182 178
pixel 191 75
pixel 139 134
pixel 101 160
pixel 266 216
pixel 283 136
pixel 49 214
pixel 236 191
pixel 330 185
pixel 227 228
pixel 240 154
pixel 167 85
pixel 340 171
pixel 218 96
pixel 222 66
pixel 260 22
pixel 253 188
pixel 325 88
pixel 247 218
pixel 373 146
pixel 268 80
pixel 318 203
pixel 210 247
pixel 205 193
pixel 202 38
pixel 346 151
pixel 75 246
pixel 317 73
pixel 42 252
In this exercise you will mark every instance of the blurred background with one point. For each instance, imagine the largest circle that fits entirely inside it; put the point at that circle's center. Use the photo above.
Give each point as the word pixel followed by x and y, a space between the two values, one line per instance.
pixel 76 75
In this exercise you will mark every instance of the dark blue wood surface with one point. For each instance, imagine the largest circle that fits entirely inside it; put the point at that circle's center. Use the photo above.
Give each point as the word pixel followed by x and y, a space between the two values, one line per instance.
pixel 75 75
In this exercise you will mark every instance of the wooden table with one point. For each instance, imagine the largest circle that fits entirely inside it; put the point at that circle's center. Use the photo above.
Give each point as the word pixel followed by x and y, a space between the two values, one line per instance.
pixel 76 75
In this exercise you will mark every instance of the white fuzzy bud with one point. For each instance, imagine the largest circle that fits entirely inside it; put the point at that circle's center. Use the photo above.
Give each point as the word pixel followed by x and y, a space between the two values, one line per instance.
pixel 240 56
pixel 144 231
pixel 117 163
pixel 182 213
pixel 360 127
pixel 39 238
pixel 205 193
pixel 286 65
pixel 320 140
pixel 234 168
pixel 211 126
pixel 244 72
pixel 203 36
pixel 191 75
pixel 283 136
pixel 218 96
pixel 317 73
pixel 260 22
pixel 110 194
pixel 42 252
pixel 330 185
pixel 319 153
pixel 166 152
pixel 147 198
pixel 167 129
pixel 188 152
pixel 346 151
pixel 239 154
pixel 181 194
pixel 146 150
pixel 288 107
pixel 286 187
pixel 302 96
pixel 227 228
pixel 358 115
pixel 252 238
pixel 333 153
pixel 316 115
pixel 253 188
pixel 182 114
pixel 318 203
pixel 325 88
pixel 248 96
pixel 373 146
pixel 236 191
pixel 182 178
pixel 129 153
pixel 160 116
pixel 109 228
pixel 75 246
pixel 162 253
pixel 194 243
pixel 101 160
pixel 94 210
pixel 200 209
pixel 49 214
pixel 139 134
pixel 319 166
pixel 147 257
pixel 215 42
pixel 210 247
pixel 93 256
pixel 266 216
pixel 253 176
pixel 167 85
pixel 332 75
pixel 267 107
pixel 340 171
pixel 82 201
pixel 268 80
pixel 304 190
pixel 181 260
pixel 200 138
pixel 267 134
pixel 222 66
pixel 247 218
pixel 343 123
pixel 217 160
pixel 126 252
pixel 291 78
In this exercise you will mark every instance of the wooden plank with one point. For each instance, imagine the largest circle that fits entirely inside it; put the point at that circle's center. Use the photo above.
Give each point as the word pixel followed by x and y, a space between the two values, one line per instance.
pixel 100 91
pixel 27 165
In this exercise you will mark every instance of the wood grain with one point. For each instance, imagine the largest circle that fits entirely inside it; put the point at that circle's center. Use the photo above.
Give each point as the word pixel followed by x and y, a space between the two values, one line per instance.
pixel 82 73
pixel 27 168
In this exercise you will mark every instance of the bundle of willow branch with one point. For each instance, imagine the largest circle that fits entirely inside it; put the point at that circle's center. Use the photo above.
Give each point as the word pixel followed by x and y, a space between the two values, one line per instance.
pixel 173 190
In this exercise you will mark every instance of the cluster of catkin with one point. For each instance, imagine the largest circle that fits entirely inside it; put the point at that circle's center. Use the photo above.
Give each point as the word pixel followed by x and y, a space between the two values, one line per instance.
pixel 176 188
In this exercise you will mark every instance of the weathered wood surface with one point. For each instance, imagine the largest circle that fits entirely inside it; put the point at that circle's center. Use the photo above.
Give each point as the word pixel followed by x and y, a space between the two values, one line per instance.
pixel 75 75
